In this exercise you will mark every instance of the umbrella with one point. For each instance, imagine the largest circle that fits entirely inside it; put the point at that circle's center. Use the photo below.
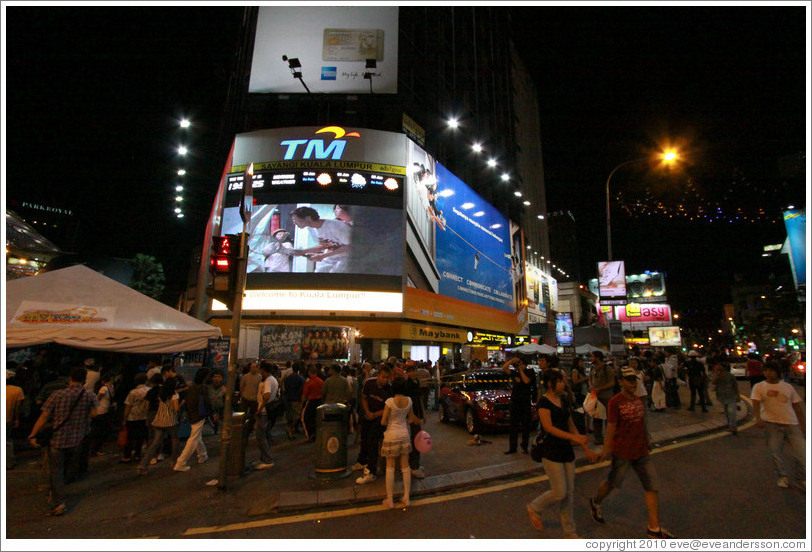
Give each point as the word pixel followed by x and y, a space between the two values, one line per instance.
pixel 533 349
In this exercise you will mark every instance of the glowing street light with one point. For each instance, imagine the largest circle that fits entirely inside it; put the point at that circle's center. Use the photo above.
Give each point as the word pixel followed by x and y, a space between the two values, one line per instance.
pixel 182 150
pixel 453 122
pixel 492 162
pixel 669 156
pixel 505 177
pixel 181 172
pixel 185 123
pixel 477 147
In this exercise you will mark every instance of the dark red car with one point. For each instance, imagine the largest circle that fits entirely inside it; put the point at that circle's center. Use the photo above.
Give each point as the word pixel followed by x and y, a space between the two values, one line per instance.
pixel 480 399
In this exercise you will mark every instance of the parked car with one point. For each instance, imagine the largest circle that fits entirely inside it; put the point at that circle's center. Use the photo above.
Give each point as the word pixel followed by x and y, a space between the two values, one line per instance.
pixel 738 367
pixel 479 399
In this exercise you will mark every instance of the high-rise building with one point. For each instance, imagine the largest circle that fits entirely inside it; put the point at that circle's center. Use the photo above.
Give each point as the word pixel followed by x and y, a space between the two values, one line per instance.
pixel 423 123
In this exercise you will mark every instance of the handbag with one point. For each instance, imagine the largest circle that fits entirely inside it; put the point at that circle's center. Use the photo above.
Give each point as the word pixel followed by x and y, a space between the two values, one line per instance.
pixel 122 436
pixel 591 404
pixel 536 447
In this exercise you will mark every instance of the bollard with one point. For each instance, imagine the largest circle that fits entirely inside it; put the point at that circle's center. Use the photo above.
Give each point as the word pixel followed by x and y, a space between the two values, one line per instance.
pixel 235 464
pixel 331 442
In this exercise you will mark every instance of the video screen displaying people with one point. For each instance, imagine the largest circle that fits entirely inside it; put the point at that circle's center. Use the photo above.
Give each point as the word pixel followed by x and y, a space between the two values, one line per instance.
pixel 321 238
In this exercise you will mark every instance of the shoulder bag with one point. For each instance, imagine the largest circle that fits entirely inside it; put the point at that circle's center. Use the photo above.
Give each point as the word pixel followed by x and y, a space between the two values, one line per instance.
pixel 45 434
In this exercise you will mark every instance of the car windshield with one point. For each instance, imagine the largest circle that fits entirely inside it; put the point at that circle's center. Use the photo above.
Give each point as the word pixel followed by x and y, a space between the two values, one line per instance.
pixel 487 382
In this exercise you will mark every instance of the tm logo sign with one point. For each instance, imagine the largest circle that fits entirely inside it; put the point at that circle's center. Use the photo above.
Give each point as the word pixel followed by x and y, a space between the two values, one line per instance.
pixel 316 149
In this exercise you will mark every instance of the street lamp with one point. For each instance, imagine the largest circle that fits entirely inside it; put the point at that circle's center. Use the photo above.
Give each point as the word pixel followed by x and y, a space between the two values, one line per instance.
pixel 668 156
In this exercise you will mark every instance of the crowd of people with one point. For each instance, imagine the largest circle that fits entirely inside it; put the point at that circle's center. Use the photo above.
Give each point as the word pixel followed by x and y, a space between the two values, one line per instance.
pixel 75 408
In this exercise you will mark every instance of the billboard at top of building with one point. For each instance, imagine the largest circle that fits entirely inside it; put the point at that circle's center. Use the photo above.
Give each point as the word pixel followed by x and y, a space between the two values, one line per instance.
pixel 327 203
pixel 612 282
pixel 331 44
pixel 795 222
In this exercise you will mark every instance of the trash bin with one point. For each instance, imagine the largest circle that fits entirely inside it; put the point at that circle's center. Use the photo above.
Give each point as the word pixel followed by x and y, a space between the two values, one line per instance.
pixel 331 441
pixel 235 462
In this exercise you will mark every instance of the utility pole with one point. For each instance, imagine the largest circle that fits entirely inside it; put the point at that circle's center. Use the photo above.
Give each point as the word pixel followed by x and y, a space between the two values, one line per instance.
pixel 236 319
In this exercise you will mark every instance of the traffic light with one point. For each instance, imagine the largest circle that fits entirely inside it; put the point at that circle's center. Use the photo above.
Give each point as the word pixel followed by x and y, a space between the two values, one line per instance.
pixel 223 268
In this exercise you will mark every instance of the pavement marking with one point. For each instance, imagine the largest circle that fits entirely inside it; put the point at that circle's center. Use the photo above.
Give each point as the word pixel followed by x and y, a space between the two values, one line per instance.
pixel 318 516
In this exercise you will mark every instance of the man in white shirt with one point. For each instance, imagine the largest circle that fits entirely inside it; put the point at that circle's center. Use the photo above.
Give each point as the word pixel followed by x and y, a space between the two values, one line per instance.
pixel 779 411
pixel 267 392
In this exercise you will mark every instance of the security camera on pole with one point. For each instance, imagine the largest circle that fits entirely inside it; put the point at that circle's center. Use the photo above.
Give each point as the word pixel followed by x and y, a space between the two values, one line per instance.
pixel 246 205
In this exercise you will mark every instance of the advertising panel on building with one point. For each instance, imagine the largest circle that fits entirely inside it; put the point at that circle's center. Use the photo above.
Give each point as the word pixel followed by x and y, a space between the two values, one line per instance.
pixel 612 282
pixel 331 48
pixel 564 332
pixel 795 223
pixel 462 243
pixel 637 316
pixel 339 228
pixel 664 336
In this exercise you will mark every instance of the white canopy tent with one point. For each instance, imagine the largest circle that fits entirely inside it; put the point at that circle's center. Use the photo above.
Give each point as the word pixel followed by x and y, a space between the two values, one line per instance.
pixel 586 348
pixel 81 308
pixel 534 349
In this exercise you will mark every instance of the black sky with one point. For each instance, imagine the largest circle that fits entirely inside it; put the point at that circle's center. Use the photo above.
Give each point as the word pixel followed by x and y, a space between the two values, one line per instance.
pixel 93 95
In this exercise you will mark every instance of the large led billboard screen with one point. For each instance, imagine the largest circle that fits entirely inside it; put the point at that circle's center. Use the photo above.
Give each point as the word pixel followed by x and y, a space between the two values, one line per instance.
pixel 331 47
pixel 324 238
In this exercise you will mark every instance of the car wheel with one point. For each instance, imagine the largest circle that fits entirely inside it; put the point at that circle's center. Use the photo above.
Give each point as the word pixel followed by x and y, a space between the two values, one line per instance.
pixel 443 413
pixel 471 423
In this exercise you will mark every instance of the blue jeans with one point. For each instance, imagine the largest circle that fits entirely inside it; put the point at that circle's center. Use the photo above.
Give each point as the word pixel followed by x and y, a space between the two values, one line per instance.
pixel 561 495
pixel 262 430
pixel 730 412
pixel 643 467
pixel 58 458
pixel 779 435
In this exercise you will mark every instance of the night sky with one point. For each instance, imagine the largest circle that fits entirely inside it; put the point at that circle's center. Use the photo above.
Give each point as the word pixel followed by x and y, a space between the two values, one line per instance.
pixel 93 95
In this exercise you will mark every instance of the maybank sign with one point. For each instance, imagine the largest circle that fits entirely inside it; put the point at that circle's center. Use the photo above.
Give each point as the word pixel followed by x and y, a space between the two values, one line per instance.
pixel 317 148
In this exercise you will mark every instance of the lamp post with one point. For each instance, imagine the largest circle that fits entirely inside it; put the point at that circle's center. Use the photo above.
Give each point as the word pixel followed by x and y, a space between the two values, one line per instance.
pixel 668 157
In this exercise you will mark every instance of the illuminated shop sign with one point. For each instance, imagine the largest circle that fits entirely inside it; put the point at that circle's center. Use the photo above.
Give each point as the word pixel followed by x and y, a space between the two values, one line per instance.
pixel 317 148
pixel 482 338
pixel 318 178
pixel 635 312
pixel 331 300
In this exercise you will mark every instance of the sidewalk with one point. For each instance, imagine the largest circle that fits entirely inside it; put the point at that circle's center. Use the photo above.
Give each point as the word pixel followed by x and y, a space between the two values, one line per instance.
pixel 291 486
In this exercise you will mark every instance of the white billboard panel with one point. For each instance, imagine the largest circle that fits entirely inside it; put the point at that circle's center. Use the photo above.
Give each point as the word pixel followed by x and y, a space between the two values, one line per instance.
pixel 332 44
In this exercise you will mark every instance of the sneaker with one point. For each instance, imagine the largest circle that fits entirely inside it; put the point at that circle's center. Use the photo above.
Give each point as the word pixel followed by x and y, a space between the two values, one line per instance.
pixel 535 520
pixel 661 534
pixel 202 459
pixel 596 511
pixel 264 466
pixel 783 482
pixel 181 468
pixel 418 473
pixel 368 477
pixel 358 466
pixel 57 510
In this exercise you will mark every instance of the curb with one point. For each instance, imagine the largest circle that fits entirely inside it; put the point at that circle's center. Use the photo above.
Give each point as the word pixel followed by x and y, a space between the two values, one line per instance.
pixel 364 495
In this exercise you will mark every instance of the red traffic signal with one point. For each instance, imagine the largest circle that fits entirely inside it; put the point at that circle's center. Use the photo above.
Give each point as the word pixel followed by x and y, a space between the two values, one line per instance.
pixel 223 254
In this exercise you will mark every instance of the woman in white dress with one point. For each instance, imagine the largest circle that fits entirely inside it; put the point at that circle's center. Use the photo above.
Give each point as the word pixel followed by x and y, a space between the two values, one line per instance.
pixel 397 415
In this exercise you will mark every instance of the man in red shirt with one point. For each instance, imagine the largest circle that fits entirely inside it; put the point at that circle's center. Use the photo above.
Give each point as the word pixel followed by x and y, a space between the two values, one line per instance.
pixel 312 397
pixel 628 442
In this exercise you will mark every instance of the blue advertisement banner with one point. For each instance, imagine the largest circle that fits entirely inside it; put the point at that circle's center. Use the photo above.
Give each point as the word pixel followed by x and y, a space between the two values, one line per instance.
pixel 564 332
pixel 795 222
pixel 473 245
pixel 217 354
